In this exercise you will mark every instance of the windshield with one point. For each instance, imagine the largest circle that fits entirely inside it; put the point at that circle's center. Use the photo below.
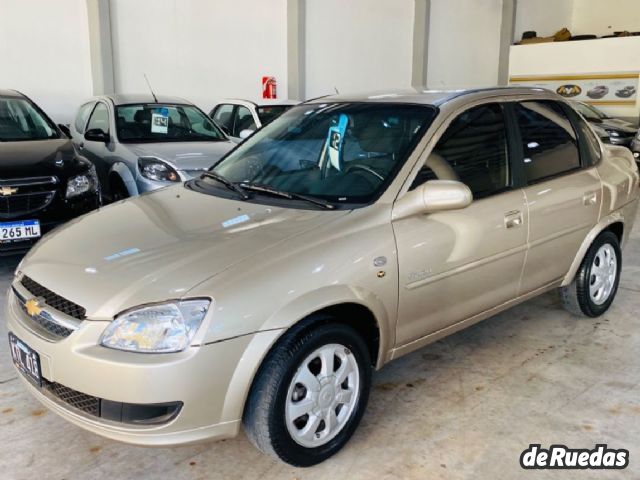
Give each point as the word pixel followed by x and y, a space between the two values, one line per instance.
pixel 164 123
pixel 269 112
pixel 338 152
pixel 589 112
pixel 21 121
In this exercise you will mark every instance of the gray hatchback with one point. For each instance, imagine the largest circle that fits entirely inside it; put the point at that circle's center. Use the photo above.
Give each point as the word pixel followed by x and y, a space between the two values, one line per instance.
pixel 139 143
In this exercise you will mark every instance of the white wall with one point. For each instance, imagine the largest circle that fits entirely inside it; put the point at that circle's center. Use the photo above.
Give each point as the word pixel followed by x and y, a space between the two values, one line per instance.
pixel 44 53
pixel 357 45
pixel 198 49
pixel 464 43
pixel 603 18
pixel 545 17
pixel 609 55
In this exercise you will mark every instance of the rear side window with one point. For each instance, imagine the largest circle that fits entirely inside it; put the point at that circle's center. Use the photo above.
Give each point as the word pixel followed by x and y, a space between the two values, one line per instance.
pixel 548 140
pixel 472 150
pixel 81 117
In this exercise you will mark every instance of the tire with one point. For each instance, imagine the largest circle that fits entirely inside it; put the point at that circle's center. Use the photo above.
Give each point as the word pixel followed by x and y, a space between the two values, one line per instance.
pixel 272 419
pixel 581 297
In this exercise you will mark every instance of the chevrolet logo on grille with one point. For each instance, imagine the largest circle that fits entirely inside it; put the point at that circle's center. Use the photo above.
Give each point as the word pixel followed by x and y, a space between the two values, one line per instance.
pixel 33 307
pixel 7 191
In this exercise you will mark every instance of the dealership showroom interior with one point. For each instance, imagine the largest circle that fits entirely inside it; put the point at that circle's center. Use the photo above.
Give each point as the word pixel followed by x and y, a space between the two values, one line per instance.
pixel 319 239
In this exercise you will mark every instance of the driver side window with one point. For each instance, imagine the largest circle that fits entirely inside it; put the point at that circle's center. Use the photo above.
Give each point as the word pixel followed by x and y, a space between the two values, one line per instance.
pixel 473 150
pixel 99 118
pixel 243 120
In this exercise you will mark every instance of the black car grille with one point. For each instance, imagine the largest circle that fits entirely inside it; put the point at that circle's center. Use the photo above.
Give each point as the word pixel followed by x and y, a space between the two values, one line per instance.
pixel 22 196
pixel 53 299
pixel 86 403
pixel 43 321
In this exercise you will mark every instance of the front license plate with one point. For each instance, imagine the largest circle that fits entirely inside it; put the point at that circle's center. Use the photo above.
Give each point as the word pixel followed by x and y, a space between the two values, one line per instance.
pixel 16 231
pixel 25 359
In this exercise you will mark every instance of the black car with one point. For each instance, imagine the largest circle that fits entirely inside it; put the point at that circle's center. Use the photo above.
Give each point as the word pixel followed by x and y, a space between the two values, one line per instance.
pixel 610 130
pixel 43 181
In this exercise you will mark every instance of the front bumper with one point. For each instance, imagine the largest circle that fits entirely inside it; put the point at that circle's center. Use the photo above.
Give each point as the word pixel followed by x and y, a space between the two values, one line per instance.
pixel 211 381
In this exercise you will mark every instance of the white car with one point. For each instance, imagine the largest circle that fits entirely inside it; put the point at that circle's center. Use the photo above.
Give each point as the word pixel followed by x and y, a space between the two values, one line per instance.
pixel 240 118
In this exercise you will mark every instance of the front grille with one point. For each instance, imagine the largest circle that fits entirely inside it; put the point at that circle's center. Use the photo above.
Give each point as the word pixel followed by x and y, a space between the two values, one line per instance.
pixel 53 299
pixel 86 403
pixel 21 196
pixel 24 203
pixel 43 320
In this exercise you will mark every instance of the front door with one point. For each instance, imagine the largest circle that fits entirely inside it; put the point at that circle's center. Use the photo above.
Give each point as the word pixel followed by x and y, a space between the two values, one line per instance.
pixel 454 265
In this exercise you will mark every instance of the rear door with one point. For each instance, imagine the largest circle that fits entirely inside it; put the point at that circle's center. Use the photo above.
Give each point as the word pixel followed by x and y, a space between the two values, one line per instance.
pixel 562 189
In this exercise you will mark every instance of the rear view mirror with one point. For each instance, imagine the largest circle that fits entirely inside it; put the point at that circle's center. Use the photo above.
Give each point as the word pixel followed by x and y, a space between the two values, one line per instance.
pixel 433 196
pixel 96 135
pixel 245 133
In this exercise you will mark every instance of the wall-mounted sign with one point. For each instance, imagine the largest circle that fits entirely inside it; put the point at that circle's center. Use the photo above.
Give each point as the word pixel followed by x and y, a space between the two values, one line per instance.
pixel 596 88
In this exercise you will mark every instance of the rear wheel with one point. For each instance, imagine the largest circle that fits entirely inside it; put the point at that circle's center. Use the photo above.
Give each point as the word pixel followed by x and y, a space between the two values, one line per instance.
pixel 596 283
pixel 309 395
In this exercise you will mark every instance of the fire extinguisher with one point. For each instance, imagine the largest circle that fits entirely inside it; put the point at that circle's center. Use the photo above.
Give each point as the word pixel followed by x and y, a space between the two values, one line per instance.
pixel 269 86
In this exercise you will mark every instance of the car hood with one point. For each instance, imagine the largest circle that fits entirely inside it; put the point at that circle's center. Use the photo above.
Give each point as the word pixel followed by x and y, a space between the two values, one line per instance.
pixel 39 158
pixel 158 246
pixel 617 124
pixel 184 155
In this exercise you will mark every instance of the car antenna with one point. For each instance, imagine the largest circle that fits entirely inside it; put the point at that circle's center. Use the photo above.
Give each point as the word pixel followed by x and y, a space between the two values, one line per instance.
pixel 336 89
pixel 150 89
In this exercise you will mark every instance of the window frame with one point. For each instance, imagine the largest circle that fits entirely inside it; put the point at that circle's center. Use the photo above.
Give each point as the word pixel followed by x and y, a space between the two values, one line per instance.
pixel 519 154
pixel 512 151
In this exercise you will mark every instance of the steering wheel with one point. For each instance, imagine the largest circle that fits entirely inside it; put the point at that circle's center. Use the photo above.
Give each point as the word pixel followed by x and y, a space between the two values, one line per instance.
pixel 366 169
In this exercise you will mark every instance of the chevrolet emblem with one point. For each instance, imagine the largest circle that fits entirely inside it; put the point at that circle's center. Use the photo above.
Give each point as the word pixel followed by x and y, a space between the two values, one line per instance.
pixel 7 191
pixel 33 307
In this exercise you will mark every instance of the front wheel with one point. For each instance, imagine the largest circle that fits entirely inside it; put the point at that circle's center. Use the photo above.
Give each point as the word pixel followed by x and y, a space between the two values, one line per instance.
pixel 596 283
pixel 309 395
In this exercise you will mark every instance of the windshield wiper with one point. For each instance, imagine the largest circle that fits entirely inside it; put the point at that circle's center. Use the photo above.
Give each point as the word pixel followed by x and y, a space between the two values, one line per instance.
pixel 257 187
pixel 227 183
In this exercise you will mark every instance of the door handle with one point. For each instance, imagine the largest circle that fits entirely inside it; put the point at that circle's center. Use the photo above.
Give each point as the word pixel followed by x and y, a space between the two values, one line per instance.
pixel 590 198
pixel 513 219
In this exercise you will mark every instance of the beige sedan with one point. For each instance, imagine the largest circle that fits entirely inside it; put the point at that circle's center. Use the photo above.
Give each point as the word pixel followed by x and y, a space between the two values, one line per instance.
pixel 346 233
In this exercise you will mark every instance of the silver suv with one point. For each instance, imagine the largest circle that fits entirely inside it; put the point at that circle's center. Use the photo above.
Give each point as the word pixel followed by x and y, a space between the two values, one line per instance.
pixel 140 143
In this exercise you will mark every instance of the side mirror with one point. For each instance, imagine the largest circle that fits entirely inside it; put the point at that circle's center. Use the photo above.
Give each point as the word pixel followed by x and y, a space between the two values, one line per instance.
pixel 96 135
pixel 64 129
pixel 433 196
pixel 245 133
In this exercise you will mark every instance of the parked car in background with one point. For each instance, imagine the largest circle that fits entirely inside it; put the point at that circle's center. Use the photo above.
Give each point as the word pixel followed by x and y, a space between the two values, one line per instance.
pixel 346 233
pixel 609 129
pixel 140 143
pixel 635 147
pixel 43 180
pixel 240 118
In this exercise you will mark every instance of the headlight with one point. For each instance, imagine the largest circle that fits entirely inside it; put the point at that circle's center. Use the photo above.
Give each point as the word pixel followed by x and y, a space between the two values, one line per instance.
pixel 162 328
pixel 613 133
pixel 157 170
pixel 82 183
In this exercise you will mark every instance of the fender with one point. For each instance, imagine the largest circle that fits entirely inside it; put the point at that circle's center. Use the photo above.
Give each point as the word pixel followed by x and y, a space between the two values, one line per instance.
pixel 614 217
pixel 335 295
pixel 120 169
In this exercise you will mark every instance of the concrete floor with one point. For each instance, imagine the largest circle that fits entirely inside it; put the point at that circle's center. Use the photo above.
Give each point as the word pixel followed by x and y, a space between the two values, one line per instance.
pixel 462 408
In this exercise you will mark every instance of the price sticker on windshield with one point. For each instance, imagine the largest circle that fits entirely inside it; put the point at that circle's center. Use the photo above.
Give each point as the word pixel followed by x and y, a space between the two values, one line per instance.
pixel 160 120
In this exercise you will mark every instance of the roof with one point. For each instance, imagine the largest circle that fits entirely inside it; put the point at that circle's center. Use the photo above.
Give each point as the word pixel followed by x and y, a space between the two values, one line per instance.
pixel 429 97
pixel 10 93
pixel 127 98
pixel 271 103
